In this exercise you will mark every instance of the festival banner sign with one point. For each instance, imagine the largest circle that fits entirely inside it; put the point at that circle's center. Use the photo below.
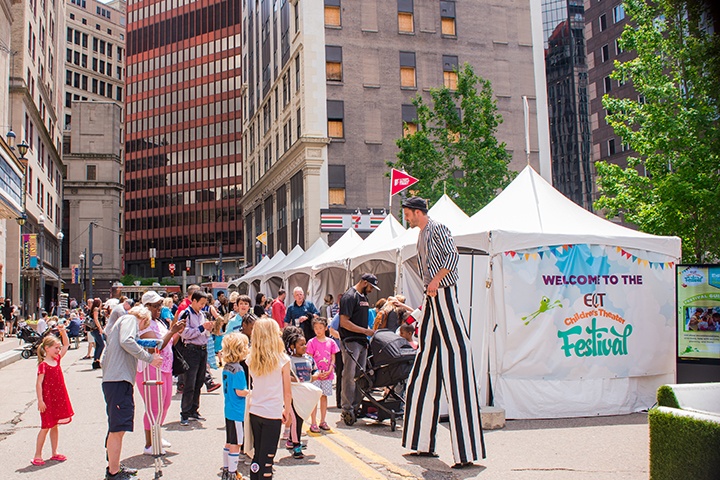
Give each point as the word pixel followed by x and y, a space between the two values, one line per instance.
pixel 587 311
pixel 698 311
pixel 29 250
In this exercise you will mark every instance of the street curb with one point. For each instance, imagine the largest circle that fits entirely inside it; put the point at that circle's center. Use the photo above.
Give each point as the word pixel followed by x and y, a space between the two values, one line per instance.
pixel 9 358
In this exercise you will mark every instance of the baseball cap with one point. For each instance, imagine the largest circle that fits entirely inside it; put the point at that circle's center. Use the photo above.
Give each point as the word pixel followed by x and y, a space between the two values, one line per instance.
pixel 150 297
pixel 415 203
pixel 371 279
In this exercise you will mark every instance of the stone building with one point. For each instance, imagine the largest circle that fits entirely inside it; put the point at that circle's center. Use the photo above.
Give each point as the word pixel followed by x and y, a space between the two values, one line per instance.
pixel 329 86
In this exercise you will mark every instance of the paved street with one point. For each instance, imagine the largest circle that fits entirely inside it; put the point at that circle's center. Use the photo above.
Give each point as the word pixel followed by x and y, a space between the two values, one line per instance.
pixel 595 448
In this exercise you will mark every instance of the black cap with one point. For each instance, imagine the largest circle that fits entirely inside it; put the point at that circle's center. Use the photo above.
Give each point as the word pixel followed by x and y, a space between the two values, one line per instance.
pixel 371 279
pixel 415 203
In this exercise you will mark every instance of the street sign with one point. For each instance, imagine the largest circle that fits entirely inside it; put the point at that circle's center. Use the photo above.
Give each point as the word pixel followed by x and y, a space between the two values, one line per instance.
pixel 399 181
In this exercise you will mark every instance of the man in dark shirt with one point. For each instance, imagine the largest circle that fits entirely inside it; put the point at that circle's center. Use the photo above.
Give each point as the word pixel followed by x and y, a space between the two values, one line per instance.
pixel 354 333
pixel 301 313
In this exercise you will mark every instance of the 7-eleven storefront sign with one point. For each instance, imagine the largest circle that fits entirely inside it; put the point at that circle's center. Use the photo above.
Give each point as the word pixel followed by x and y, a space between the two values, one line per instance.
pixel 360 222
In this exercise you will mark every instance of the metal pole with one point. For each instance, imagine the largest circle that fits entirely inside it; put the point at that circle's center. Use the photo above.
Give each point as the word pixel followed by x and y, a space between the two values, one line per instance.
pixel 89 259
pixel 41 253
pixel 220 271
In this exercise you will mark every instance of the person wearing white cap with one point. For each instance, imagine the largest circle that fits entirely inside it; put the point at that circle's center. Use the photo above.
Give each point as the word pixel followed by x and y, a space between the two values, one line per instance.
pixel 157 329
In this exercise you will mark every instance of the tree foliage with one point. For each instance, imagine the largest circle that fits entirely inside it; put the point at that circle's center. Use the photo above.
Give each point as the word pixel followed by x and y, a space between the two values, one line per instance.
pixel 455 149
pixel 672 183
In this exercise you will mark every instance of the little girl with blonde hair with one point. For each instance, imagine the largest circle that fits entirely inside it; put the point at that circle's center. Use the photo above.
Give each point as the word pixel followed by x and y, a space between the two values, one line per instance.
pixel 53 400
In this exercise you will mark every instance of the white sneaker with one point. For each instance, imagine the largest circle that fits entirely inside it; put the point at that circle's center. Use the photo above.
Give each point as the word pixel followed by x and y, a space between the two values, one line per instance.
pixel 148 451
pixel 166 444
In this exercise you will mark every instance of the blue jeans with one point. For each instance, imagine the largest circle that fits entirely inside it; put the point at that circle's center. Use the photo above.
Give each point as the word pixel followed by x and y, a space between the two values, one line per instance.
pixel 99 344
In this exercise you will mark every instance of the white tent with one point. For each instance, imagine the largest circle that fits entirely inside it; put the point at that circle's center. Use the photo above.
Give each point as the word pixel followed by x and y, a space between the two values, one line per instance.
pixel 578 312
pixel 298 274
pixel 271 278
pixel 242 284
pixel 293 276
pixel 252 279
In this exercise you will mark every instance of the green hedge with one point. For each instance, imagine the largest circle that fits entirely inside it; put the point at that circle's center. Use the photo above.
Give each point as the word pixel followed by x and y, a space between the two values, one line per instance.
pixel 683 448
pixel 666 397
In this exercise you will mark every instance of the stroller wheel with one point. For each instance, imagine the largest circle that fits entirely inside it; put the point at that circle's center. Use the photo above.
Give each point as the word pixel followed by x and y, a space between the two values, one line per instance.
pixel 26 354
pixel 348 418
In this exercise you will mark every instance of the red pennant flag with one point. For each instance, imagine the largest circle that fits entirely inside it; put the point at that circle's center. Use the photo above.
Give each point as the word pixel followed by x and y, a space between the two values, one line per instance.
pixel 399 181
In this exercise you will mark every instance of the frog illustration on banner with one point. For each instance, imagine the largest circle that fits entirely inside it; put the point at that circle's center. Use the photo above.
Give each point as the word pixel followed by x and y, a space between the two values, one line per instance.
pixel 545 305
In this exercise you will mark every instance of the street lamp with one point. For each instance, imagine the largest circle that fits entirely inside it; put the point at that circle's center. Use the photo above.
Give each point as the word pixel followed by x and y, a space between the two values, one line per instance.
pixel 41 255
pixel 258 251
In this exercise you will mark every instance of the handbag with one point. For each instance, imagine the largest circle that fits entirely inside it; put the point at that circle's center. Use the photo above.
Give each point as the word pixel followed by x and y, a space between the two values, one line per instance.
pixel 179 365
pixel 89 324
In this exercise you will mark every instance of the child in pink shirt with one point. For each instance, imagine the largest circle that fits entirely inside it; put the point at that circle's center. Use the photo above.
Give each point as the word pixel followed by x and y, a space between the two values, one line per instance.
pixel 323 350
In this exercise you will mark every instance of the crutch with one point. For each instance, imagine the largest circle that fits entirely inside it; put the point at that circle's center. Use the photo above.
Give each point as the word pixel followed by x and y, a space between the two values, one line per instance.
pixel 149 387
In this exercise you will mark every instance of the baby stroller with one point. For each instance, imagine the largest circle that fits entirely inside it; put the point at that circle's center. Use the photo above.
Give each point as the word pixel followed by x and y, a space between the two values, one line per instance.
pixel 389 362
pixel 31 340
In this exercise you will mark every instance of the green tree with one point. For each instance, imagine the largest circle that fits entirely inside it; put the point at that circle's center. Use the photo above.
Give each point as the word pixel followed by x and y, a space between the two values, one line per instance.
pixel 454 148
pixel 672 184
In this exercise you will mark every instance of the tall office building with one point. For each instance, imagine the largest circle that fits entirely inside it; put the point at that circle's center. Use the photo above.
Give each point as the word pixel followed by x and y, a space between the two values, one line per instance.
pixel 604 24
pixel 93 147
pixel 35 106
pixel 94 55
pixel 568 100
pixel 329 89
pixel 11 188
pixel 183 131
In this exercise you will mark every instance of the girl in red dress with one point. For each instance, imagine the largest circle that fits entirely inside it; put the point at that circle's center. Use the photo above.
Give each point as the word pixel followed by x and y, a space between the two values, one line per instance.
pixel 53 400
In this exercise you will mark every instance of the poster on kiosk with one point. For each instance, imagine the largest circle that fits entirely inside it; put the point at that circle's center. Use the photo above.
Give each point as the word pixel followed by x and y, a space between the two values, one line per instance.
pixel 698 315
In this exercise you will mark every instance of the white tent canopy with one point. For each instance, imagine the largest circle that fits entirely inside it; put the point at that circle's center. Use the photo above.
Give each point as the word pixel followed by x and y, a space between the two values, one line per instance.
pixel 297 278
pixel 271 277
pixel 577 313
pixel 247 277
pixel 255 275
pixel 530 212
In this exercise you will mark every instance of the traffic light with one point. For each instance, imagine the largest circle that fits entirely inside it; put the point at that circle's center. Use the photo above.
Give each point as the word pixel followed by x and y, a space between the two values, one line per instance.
pixel 152 262
pixel 93 280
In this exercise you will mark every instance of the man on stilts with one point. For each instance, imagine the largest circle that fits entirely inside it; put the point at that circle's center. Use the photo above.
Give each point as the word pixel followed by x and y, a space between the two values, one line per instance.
pixel 445 355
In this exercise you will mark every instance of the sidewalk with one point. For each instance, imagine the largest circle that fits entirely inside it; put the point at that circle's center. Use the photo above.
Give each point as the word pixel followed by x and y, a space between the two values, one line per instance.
pixel 9 351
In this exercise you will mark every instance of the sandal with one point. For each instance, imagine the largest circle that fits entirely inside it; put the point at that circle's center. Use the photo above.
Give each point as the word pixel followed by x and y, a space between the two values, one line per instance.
pixel 58 457
pixel 314 428
pixel 324 426
pixel 86 357
pixel 38 462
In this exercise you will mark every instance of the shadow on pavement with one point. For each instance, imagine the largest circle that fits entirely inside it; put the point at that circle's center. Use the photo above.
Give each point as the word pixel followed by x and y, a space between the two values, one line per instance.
pixel 519 425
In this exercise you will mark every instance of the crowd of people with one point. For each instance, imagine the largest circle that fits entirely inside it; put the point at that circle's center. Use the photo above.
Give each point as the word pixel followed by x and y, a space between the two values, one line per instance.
pixel 279 363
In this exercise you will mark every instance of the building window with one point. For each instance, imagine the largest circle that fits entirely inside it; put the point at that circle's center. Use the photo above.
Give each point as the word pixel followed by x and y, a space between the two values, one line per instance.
pixel 91 172
pixel 618 48
pixel 333 64
pixel 336 115
pixel 409 118
pixel 332 13
pixel 607 84
pixel 611 147
pixel 618 13
pixel 603 22
pixel 450 71
pixel 447 18
pixel 605 53
pixel 406 22
pixel 407 70
pixel 297 73
pixel 336 184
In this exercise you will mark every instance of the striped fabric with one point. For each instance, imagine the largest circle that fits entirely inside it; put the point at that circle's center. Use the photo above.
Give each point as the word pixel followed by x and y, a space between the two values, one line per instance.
pixel 442 253
pixel 444 362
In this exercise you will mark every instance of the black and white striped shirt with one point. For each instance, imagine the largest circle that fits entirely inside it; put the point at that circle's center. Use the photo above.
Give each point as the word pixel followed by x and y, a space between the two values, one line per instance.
pixel 437 241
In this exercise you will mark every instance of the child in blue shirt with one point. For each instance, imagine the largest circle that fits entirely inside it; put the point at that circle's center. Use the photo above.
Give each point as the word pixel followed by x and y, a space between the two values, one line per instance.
pixel 235 389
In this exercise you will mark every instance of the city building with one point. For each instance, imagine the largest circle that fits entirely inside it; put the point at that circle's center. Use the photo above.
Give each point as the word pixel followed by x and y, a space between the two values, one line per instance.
pixel 11 186
pixel 329 90
pixel 35 106
pixel 94 71
pixel 93 200
pixel 94 55
pixel 568 100
pixel 183 139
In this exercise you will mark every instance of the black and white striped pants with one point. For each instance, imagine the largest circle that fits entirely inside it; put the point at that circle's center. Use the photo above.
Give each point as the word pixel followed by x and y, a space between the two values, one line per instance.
pixel 444 361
